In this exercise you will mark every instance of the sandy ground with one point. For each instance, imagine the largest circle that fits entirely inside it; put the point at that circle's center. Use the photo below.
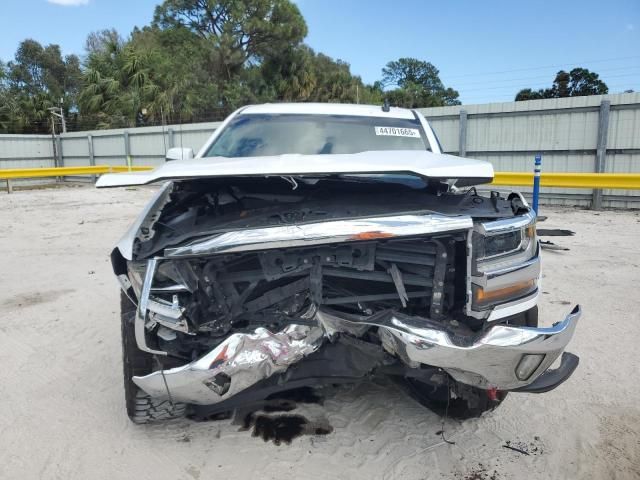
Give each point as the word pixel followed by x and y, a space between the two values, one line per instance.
pixel 62 411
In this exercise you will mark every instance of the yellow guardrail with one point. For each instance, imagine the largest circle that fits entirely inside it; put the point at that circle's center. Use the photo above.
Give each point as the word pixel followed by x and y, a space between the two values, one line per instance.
pixel 10 173
pixel 627 181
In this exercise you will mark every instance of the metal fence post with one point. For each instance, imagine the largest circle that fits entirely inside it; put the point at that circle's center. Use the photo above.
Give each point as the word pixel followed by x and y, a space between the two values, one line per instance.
pixel 171 140
pixel 60 155
pixel 92 158
pixel 601 149
pixel 127 147
pixel 59 149
pixel 462 139
pixel 536 182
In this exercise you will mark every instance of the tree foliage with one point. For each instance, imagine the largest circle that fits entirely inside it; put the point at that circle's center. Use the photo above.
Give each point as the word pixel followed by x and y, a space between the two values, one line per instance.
pixel 418 84
pixel 236 31
pixel 576 83
pixel 199 60
pixel 300 74
pixel 37 79
pixel 146 74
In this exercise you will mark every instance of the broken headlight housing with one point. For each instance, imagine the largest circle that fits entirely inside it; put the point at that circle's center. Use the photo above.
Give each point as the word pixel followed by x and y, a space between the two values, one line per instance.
pixel 501 248
pixel 135 272
pixel 169 277
pixel 505 246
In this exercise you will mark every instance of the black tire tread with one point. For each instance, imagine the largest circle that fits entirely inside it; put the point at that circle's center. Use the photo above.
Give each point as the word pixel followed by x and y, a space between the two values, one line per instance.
pixel 149 410
pixel 141 408
pixel 460 407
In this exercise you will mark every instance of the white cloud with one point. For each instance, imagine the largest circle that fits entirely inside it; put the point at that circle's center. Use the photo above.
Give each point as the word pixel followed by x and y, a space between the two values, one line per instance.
pixel 69 3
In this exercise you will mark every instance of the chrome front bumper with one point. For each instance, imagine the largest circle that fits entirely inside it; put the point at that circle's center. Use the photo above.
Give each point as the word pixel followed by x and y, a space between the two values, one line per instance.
pixel 486 360
pixel 239 362
pixel 491 361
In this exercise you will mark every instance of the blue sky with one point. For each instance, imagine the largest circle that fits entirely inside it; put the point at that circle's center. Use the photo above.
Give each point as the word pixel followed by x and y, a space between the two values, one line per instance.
pixel 487 50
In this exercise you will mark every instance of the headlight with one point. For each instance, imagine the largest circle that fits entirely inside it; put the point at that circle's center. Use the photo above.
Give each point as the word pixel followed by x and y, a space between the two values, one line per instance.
pixel 503 261
pixel 501 248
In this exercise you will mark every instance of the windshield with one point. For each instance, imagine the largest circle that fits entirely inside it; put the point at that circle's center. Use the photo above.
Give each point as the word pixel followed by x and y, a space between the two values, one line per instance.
pixel 255 135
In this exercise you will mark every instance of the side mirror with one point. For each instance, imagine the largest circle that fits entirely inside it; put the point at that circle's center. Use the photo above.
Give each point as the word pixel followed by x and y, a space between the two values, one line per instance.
pixel 179 154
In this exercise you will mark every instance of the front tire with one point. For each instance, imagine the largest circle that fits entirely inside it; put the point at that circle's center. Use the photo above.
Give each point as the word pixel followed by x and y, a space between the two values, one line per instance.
pixel 455 400
pixel 461 401
pixel 141 408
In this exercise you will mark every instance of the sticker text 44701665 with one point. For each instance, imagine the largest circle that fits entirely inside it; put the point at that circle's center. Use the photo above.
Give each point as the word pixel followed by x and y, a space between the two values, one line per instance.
pixel 398 132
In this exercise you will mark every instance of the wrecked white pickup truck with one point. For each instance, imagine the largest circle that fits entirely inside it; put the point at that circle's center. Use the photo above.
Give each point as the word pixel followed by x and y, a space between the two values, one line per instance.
pixel 308 244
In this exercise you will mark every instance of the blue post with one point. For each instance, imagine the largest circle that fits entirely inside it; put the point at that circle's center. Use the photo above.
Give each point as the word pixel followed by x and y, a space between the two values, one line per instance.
pixel 536 182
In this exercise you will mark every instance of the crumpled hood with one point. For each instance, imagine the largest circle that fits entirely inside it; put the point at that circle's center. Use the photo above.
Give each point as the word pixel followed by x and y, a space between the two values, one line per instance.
pixel 421 163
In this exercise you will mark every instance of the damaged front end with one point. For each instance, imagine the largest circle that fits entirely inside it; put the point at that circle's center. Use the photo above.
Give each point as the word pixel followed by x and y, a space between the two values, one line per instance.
pixel 242 291
pixel 248 289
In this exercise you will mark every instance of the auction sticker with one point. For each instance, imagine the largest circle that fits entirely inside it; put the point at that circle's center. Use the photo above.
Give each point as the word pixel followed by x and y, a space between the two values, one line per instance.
pixel 398 132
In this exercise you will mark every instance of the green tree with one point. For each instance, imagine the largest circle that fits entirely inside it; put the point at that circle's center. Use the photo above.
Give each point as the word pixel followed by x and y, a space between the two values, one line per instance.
pixel 36 79
pixel 529 94
pixel 239 31
pixel 156 72
pixel 104 98
pixel 576 83
pixel 199 60
pixel 418 84
pixel 288 76
pixel 301 75
pixel 334 81
pixel 102 41
pixel 5 106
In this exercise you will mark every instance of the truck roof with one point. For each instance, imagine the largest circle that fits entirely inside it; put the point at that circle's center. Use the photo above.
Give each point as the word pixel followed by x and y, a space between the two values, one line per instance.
pixel 327 109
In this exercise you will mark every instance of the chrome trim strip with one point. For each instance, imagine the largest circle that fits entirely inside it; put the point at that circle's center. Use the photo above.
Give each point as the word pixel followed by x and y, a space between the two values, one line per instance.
pixel 169 311
pixel 515 307
pixel 469 290
pixel 143 305
pixel 337 231
pixel 503 277
pixel 178 288
pixel 506 224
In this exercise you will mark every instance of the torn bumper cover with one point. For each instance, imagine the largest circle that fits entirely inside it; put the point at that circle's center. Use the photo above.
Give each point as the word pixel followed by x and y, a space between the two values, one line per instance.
pixel 233 366
pixel 502 357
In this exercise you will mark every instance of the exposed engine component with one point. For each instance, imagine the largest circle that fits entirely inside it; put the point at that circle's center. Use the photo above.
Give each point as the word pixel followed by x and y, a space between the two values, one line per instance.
pixel 273 288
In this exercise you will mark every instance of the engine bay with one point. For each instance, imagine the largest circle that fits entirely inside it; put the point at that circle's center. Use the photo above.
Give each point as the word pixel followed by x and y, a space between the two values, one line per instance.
pixel 214 296
pixel 199 208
